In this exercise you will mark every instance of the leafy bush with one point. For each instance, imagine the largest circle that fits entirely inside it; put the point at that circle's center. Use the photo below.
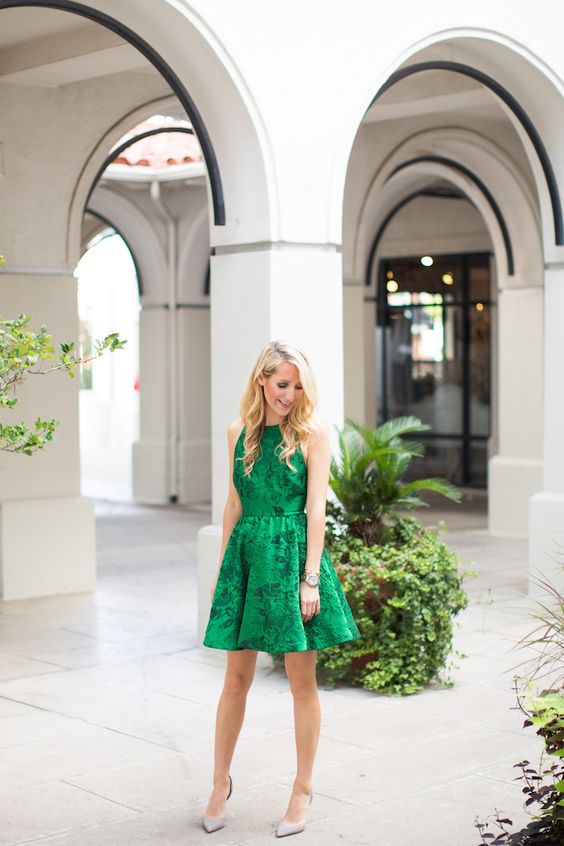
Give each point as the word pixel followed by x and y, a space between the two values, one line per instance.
pixel 543 786
pixel 403 594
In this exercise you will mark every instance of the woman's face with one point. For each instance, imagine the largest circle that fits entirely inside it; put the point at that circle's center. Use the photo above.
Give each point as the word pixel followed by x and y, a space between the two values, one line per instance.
pixel 281 390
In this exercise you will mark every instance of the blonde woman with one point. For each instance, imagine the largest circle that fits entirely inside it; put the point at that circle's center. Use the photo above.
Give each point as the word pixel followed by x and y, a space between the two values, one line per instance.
pixel 276 589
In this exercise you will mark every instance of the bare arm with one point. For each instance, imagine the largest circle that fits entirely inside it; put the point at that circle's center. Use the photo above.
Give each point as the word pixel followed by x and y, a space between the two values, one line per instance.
pixel 318 464
pixel 233 509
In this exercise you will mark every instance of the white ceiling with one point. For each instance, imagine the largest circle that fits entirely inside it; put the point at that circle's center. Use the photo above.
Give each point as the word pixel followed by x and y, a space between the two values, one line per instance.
pixel 434 92
pixel 20 25
pixel 51 48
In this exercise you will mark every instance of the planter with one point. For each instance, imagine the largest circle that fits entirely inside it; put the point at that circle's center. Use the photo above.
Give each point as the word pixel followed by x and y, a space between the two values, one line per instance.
pixel 404 595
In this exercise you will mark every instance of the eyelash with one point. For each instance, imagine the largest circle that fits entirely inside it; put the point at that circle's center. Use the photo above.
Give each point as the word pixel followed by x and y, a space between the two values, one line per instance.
pixel 299 387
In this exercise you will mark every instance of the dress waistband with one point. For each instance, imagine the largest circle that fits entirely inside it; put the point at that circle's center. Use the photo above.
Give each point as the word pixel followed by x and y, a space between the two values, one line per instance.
pixel 273 516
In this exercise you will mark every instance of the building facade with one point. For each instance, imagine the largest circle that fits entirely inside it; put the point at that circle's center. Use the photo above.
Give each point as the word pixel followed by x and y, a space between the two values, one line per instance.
pixel 342 149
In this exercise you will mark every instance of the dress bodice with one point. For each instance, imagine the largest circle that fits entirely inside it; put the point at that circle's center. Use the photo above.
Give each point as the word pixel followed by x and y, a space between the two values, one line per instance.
pixel 272 488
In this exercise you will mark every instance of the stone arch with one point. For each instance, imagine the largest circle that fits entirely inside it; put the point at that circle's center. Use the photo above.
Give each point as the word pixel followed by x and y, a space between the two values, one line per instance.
pixel 179 44
pixel 98 224
pixel 532 89
pixel 426 155
pixel 136 230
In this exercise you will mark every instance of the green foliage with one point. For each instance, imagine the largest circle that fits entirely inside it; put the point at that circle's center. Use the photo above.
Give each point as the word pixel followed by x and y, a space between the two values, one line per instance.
pixel 401 581
pixel 547 639
pixel 367 476
pixel 543 786
pixel 24 352
pixel 403 594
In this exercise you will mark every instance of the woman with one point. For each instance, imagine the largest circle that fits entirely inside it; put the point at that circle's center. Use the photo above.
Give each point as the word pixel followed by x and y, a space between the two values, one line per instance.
pixel 276 589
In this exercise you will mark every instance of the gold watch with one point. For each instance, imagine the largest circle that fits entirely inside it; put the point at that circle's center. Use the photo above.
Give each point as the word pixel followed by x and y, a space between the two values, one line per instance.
pixel 311 577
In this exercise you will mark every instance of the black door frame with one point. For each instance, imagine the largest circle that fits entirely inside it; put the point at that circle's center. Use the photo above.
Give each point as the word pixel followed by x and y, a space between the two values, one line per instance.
pixel 382 312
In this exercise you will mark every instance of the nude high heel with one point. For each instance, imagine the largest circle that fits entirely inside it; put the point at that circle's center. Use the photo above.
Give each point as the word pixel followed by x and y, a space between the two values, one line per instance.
pixel 215 823
pixel 285 827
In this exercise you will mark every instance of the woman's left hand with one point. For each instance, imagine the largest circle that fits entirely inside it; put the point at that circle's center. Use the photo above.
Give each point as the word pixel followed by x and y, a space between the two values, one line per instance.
pixel 309 601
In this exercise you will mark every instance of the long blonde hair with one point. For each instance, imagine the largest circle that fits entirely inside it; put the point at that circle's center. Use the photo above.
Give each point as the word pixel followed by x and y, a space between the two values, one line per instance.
pixel 298 424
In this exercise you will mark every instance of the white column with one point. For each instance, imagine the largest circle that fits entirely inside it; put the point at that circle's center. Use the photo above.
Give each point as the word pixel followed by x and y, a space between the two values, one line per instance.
pixel 515 472
pixel 47 538
pixel 151 471
pixel 356 342
pixel 194 393
pixel 546 525
pixel 288 292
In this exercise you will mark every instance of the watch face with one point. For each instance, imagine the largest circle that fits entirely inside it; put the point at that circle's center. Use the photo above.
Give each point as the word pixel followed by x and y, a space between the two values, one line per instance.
pixel 312 579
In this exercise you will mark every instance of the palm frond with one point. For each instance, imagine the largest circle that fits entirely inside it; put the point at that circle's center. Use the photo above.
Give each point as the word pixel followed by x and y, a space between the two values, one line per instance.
pixel 439 485
pixel 399 426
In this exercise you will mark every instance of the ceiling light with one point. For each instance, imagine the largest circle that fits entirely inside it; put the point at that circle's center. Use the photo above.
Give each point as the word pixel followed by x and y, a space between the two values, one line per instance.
pixel 392 285
pixel 480 306
pixel 426 261
pixel 448 278
pixel 390 274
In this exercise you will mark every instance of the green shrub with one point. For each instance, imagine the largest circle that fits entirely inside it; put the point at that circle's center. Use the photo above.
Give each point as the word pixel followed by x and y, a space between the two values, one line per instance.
pixel 403 594
pixel 543 785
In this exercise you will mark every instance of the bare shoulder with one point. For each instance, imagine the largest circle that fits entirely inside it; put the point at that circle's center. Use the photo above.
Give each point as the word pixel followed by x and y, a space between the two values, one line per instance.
pixel 320 434
pixel 318 440
pixel 234 430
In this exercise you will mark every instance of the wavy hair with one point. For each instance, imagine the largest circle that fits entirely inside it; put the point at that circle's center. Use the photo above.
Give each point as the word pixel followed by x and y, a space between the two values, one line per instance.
pixel 299 424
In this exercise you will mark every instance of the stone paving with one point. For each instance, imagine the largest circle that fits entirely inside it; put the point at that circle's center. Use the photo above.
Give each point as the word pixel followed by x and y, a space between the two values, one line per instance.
pixel 107 711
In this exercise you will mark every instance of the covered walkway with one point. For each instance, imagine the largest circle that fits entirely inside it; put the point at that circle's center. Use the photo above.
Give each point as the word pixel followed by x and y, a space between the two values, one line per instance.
pixel 107 711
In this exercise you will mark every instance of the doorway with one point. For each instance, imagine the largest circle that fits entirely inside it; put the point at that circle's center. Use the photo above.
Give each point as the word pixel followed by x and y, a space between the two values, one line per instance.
pixel 433 347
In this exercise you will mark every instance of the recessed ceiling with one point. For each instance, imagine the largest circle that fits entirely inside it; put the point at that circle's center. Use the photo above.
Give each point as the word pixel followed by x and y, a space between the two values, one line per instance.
pixel 51 48
pixel 20 25
pixel 434 92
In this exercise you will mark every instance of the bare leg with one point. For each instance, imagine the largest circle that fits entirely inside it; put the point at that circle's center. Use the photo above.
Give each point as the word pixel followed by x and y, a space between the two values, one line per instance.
pixel 239 675
pixel 300 668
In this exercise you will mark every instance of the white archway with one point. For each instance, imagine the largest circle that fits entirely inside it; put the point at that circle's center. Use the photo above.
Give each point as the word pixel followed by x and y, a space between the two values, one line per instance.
pixel 486 174
pixel 232 122
pixel 486 160
pixel 532 85
pixel 137 231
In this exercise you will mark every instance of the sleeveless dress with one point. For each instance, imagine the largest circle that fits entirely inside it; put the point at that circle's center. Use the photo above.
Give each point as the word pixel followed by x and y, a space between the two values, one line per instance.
pixel 256 603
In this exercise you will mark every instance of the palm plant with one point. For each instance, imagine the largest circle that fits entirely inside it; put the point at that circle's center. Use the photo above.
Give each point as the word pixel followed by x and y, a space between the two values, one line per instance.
pixel 367 476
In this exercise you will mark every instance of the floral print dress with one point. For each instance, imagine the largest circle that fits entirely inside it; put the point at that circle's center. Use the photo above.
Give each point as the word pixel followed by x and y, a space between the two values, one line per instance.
pixel 256 603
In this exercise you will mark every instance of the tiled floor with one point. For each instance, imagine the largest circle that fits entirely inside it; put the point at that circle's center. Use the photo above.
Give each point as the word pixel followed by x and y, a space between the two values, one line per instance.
pixel 107 711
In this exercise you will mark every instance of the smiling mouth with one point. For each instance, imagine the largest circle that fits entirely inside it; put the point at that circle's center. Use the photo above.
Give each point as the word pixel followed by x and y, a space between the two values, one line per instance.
pixel 284 404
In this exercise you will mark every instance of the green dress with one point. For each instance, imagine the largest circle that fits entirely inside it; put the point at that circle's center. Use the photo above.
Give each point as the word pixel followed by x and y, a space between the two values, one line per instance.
pixel 256 603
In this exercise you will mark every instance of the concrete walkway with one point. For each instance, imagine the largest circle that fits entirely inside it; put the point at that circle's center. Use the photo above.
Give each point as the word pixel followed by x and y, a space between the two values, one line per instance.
pixel 107 711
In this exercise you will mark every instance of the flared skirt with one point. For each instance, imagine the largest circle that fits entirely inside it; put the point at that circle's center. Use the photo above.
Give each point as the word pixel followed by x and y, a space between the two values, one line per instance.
pixel 256 603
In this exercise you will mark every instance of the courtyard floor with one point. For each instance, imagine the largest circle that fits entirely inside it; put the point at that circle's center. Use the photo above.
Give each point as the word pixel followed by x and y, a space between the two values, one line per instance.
pixel 107 710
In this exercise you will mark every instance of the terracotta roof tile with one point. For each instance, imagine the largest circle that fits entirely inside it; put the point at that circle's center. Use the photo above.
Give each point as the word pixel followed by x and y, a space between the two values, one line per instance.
pixel 160 150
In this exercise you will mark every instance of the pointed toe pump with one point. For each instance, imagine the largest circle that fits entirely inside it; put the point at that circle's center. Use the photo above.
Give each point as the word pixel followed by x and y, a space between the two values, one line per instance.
pixel 215 823
pixel 285 827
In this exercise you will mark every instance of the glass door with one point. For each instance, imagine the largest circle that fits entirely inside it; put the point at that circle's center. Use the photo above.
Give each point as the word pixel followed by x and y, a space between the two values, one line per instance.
pixel 433 346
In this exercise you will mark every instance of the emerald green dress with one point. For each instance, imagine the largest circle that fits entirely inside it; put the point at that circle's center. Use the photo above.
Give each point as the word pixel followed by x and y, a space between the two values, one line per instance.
pixel 256 603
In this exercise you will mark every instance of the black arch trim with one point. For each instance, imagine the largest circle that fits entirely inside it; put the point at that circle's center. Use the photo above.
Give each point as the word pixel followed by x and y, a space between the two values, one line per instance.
pixel 166 72
pixel 382 228
pixel 470 175
pixel 518 111
pixel 481 187
pixel 109 223
pixel 129 143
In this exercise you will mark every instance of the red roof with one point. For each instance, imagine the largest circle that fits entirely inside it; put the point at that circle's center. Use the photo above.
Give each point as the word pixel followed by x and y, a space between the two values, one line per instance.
pixel 166 148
